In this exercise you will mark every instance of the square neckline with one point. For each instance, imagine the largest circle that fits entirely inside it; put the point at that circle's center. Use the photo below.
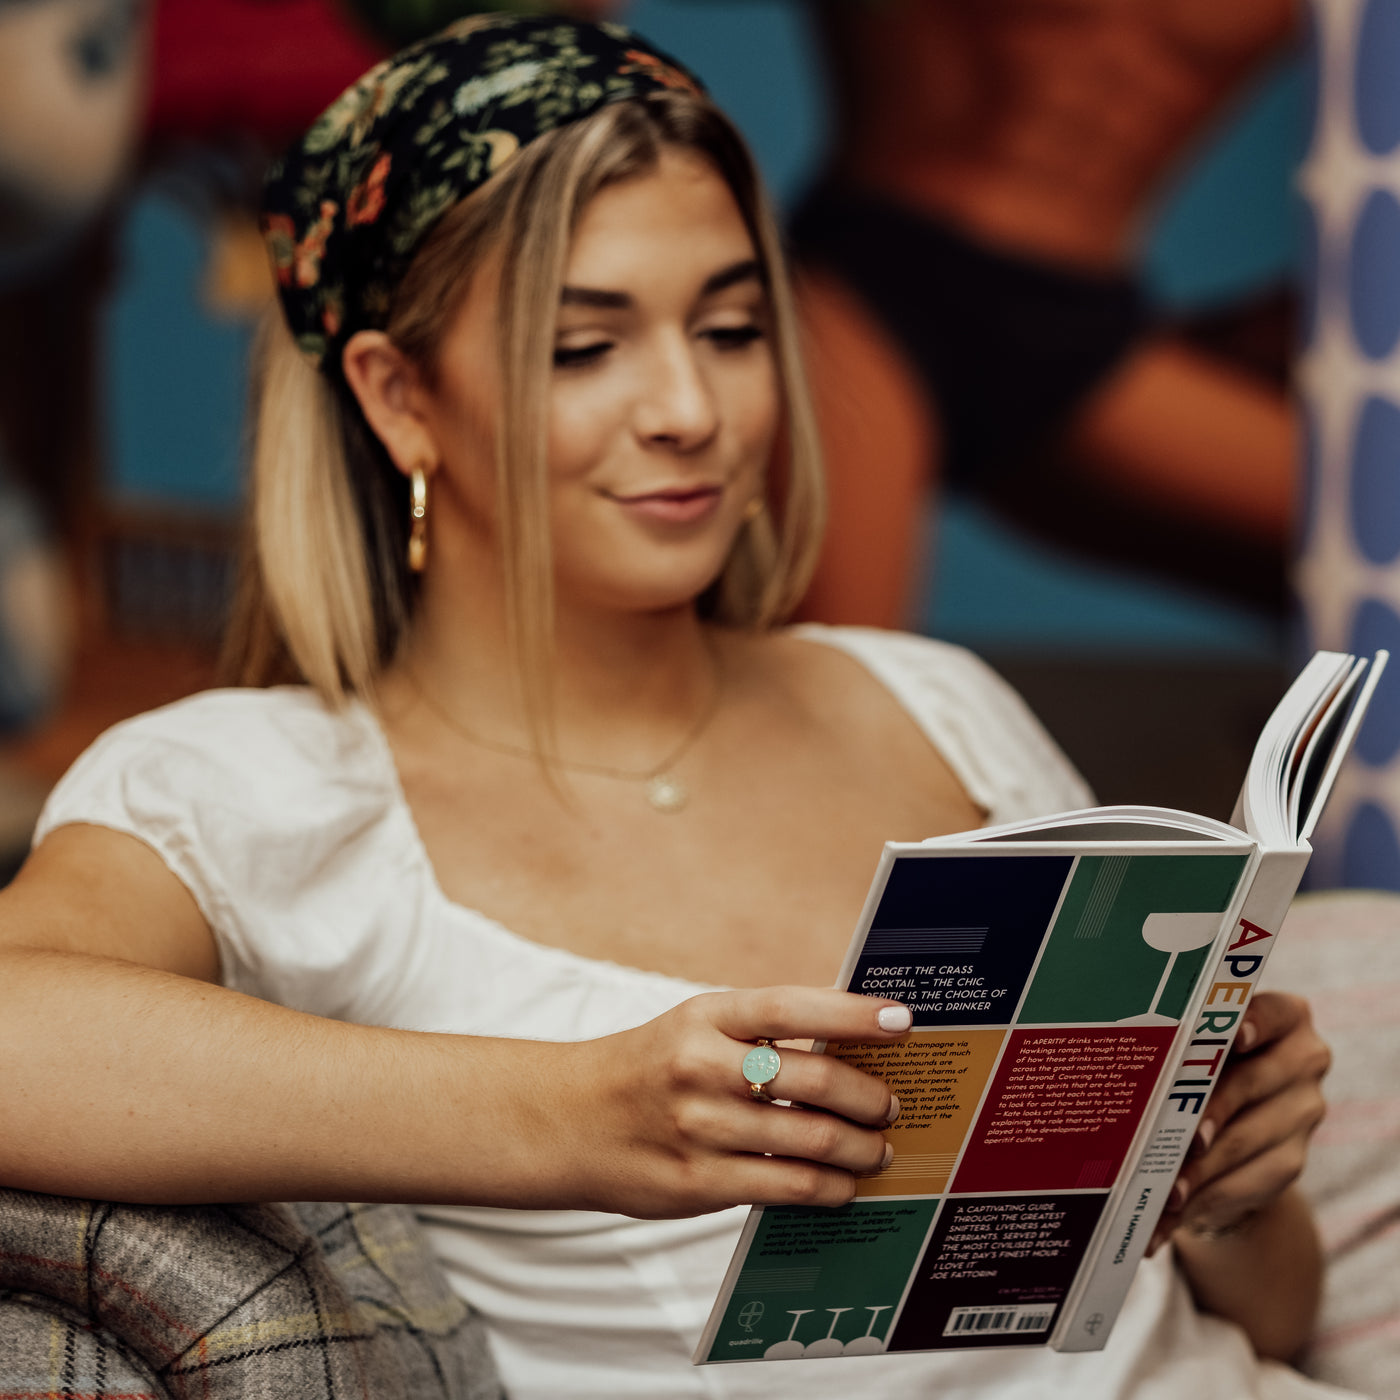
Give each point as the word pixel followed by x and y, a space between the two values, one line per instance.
pixel 821 634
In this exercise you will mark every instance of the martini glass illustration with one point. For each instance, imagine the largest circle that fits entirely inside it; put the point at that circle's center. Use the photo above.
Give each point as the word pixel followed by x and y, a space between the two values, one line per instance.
pixel 789 1349
pixel 868 1345
pixel 1174 934
pixel 828 1346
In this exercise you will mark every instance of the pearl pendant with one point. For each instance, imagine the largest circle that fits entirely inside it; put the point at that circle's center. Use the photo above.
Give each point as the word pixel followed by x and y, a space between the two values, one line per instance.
pixel 667 793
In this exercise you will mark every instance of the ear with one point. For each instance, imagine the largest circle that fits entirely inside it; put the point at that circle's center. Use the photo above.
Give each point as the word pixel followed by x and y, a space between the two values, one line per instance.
pixel 390 390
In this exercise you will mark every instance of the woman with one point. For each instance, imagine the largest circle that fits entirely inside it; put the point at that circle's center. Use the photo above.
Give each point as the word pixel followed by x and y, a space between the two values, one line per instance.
pixel 531 487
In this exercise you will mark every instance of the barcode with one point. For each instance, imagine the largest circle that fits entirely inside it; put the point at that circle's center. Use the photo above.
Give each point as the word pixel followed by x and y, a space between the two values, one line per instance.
pixel 988 1321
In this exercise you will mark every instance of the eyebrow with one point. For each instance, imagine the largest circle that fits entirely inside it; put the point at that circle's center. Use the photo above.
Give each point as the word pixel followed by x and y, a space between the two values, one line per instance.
pixel 745 271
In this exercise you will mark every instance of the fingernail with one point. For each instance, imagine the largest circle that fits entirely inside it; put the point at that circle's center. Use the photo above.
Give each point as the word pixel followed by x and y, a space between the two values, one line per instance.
pixel 1177 1199
pixel 1205 1135
pixel 888 1157
pixel 895 1018
pixel 1249 1033
pixel 894 1110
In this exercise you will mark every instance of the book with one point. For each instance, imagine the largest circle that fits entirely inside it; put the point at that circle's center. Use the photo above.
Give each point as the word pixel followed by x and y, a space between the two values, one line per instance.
pixel 1076 983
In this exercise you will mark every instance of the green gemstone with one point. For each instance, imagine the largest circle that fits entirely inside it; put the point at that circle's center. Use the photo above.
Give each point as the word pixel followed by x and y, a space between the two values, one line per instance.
pixel 761 1064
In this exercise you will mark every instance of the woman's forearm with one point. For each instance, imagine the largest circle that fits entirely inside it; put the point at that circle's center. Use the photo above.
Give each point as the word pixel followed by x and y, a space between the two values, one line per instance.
pixel 1266 1275
pixel 131 1083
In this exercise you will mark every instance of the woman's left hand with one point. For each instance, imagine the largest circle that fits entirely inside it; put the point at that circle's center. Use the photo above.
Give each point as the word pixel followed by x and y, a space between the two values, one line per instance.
pixel 1253 1138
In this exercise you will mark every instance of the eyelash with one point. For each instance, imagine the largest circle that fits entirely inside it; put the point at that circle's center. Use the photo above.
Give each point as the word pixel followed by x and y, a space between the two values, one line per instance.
pixel 723 338
pixel 572 356
pixel 734 337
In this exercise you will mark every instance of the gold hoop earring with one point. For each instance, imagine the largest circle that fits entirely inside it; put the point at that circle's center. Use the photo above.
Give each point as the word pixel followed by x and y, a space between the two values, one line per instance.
pixel 417 520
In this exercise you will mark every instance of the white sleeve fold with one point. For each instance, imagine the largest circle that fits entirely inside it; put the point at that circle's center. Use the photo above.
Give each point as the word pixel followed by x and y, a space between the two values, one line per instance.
pixel 278 818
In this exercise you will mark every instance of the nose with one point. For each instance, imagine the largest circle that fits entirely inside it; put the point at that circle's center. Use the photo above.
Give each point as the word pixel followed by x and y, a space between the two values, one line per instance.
pixel 676 407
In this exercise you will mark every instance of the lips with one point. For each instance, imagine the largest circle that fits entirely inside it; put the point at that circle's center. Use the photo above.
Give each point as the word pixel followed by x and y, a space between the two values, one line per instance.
pixel 682 505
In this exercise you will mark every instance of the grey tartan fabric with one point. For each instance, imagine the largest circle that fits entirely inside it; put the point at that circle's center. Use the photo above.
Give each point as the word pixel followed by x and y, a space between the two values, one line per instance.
pixel 259 1302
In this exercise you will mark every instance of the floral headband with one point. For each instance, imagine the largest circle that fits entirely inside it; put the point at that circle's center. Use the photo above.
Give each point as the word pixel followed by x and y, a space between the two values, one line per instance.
pixel 345 209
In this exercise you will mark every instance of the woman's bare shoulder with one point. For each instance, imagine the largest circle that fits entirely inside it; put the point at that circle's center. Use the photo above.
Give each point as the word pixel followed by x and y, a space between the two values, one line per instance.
pixel 855 685
pixel 869 671
pixel 902 695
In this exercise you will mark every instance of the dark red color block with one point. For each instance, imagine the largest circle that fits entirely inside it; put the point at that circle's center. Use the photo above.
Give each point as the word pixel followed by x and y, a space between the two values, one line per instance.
pixel 1063 1108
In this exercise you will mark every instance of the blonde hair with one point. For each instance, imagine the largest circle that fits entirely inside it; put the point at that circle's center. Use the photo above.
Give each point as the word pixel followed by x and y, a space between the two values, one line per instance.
pixel 325 595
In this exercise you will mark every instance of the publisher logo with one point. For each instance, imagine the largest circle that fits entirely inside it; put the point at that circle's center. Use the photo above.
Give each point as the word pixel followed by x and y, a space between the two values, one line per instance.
pixel 749 1315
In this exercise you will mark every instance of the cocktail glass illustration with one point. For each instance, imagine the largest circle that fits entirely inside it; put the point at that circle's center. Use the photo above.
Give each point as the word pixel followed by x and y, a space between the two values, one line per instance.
pixel 869 1344
pixel 789 1349
pixel 1174 934
pixel 828 1345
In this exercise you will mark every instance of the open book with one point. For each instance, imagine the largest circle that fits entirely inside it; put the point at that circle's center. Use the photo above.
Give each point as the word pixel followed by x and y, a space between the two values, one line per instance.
pixel 1076 983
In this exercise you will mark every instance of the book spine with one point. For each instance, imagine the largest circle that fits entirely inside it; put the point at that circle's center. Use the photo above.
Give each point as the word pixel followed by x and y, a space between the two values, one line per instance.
pixel 1090 1312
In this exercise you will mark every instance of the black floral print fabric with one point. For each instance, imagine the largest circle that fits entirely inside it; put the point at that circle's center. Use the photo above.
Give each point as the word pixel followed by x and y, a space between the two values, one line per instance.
pixel 345 209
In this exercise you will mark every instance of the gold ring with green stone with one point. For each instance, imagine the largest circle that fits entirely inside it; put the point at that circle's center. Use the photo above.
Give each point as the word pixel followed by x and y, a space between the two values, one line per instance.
pixel 760 1067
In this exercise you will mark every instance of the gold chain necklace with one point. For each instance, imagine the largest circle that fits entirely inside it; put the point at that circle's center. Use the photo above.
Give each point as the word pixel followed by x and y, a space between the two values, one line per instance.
pixel 664 790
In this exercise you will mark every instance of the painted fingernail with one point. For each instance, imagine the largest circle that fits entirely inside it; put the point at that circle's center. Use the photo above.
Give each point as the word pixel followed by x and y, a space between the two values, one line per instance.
pixel 895 1018
pixel 894 1110
pixel 1205 1135
pixel 1177 1199
pixel 888 1157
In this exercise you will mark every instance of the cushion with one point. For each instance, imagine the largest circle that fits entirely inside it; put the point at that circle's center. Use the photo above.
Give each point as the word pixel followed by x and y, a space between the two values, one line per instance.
pixel 1342 951
pixel 259 1302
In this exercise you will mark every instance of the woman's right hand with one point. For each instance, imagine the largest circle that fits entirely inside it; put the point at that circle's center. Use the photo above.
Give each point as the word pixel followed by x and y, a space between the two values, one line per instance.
pixel 199 1093
pixel 660 1121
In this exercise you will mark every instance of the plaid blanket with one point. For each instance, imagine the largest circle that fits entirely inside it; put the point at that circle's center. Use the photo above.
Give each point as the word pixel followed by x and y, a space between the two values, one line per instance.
pixel 309 1302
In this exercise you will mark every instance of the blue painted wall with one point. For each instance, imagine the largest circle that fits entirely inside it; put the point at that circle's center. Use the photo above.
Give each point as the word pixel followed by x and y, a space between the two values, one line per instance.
pixel 176 376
